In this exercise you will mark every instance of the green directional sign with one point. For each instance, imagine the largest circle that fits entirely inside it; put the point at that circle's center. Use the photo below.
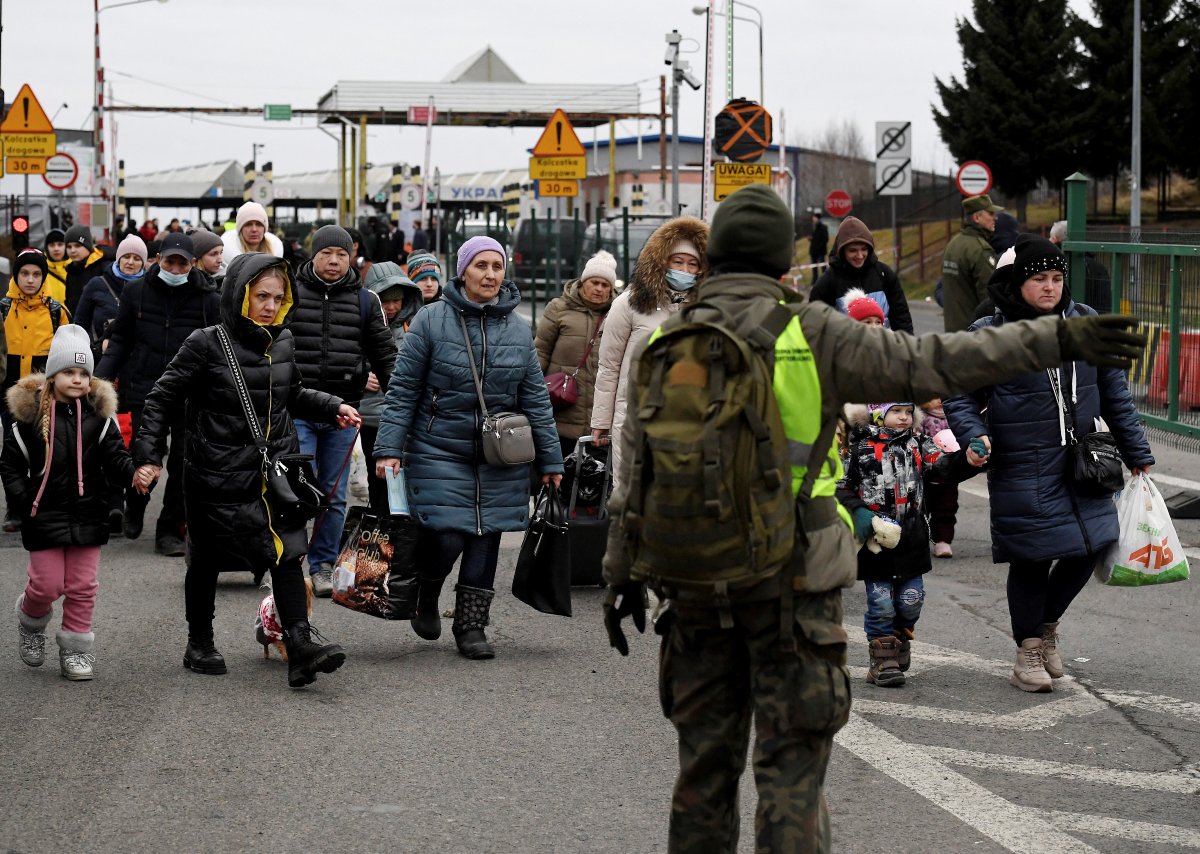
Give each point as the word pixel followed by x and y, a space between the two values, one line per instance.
pixel 277 112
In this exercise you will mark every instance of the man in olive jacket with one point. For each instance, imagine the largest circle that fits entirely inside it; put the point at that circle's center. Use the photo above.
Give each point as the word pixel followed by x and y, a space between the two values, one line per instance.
pixel 339 330
pixel 968 263
pixel 723 661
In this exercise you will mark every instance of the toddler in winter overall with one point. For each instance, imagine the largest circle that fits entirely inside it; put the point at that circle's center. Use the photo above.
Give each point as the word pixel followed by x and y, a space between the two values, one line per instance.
pixel 884 489
pixel 941 499
pixel 63 455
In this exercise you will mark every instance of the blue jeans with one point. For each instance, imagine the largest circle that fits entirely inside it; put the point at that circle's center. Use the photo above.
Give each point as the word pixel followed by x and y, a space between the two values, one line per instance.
pixel 329 447
pixel 892 606
pixel 438 550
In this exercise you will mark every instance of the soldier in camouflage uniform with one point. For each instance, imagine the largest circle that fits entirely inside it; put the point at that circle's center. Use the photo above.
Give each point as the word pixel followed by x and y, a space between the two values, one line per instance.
pixel 968 263
pixel 725 664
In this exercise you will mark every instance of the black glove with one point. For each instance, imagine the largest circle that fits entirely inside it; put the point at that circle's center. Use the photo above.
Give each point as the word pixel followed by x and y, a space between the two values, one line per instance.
pixel 622 601
pixel 1104 340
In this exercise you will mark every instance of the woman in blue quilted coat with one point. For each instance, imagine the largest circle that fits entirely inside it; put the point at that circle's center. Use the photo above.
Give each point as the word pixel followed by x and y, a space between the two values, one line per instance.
pixel 430 424
pixel 1047 530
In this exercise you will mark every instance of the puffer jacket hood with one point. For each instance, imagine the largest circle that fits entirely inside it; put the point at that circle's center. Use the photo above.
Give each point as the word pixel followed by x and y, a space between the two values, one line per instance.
pixel 852 229
pixel 574 300
pixel 17 295
pixel 648 288
pixel 385 275
pixel 1006 294
pixel 234 297
pixel 23 399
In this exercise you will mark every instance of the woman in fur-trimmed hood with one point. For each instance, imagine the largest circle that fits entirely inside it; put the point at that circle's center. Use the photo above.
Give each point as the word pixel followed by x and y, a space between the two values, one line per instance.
pixel 670 268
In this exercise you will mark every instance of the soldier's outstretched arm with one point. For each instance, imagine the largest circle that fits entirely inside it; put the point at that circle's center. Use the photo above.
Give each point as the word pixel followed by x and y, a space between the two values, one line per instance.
pixel 870 364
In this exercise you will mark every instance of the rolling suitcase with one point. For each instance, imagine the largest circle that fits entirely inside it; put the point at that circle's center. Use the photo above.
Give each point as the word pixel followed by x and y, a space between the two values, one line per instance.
pixel 587 483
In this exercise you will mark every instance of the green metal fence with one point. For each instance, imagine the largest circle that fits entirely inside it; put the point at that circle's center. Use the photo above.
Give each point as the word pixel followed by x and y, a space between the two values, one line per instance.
pixel 1159 283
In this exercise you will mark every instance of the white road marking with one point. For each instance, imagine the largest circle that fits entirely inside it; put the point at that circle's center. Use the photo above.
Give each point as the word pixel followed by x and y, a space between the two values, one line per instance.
pixel 1152 703
pixel 1183 782
pixel 1034 719
pixel 1139 831
pixel 1017 830
pixel 1170 480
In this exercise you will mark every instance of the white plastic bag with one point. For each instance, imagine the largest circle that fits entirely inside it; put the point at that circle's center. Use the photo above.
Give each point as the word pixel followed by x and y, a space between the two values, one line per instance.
pixel 1148 550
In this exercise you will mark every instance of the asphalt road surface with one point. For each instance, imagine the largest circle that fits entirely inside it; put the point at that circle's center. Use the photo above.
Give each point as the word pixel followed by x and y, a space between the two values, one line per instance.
pixel 558 744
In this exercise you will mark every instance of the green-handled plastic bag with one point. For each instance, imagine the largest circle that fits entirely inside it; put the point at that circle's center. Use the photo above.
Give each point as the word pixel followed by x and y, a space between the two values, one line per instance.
pixel 1148 550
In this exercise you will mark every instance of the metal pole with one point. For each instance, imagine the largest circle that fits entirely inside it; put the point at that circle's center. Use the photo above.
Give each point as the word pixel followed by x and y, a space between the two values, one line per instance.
pixel 675 147
pixel 437 203
pixel 762 97
pixel 1135 150
pixel 362 168
pixel 708 61
pixel 558 227
pixel 612 162
pixel 729 51
pixel 662 137
pixel 895 237
pixel 341 211
pixel 425 168
pixel 625 231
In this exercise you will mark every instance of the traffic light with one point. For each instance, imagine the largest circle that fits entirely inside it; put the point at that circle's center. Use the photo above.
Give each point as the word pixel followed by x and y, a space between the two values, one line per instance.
pixel 20 232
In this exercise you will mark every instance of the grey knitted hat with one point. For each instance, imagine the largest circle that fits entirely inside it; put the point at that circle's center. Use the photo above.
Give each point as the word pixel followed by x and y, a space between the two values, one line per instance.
pixel 332 235
pixel 71 348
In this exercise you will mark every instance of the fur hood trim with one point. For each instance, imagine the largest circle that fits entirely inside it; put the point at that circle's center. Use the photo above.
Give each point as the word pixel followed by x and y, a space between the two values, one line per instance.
pixel 23 398
pixel 857 415
pixel 648 288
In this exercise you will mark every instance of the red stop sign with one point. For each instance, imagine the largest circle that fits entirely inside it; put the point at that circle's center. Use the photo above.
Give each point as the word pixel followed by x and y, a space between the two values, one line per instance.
pixel 837 203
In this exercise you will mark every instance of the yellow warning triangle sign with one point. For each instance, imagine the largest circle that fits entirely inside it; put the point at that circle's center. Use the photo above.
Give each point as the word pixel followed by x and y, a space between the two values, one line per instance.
pixel 26 115
pixel 559 139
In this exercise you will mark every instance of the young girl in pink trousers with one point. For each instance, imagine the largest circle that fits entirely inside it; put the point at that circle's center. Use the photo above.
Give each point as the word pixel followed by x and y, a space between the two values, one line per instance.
pixel 63 455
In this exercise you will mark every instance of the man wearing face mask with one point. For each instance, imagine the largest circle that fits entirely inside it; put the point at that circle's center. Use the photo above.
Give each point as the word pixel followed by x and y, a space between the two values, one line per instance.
pixel 668 270
pixel 157 314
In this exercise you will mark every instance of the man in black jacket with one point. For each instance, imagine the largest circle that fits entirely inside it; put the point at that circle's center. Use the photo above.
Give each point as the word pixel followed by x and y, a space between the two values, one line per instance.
pixel 818 244
pixel 157 314
pixel 339 329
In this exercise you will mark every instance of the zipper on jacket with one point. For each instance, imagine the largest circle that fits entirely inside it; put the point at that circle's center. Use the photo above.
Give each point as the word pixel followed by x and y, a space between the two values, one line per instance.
pixel 324 341
pixel 433 412
pixel 482 378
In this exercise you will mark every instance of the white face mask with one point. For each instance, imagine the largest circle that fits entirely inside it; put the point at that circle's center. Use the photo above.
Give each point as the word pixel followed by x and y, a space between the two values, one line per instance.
pixel 680 280
pixel 172 279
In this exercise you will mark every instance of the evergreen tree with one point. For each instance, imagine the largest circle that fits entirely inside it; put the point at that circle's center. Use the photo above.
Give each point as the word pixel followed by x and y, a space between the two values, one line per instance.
pixel 1014 107
pixel 1168 83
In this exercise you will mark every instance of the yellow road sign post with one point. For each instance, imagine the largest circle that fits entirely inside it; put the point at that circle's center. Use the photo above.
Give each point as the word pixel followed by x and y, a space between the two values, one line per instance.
pixel 559 158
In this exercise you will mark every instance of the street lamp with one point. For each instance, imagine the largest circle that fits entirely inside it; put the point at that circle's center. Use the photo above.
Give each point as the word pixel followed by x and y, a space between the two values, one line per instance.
pixel 98 171
pixel 703 10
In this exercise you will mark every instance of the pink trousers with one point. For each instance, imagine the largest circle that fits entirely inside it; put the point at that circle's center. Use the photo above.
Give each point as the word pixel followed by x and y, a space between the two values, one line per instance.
pixel 69 572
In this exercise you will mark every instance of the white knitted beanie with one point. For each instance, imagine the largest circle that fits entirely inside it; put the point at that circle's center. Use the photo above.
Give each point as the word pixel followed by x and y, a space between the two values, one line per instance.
pixel 602 265
pixel 252 212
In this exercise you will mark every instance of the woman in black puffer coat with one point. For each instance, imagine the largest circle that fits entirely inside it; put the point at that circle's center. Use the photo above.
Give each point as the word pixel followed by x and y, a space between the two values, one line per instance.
pixel 230 524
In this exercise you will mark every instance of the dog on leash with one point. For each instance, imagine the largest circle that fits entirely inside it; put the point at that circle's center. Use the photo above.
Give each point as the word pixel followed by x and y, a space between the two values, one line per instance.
pixel 268 631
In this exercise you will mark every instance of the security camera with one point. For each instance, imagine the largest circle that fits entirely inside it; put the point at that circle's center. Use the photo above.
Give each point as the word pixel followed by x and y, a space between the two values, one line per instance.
pixel 684 73
pixel 673 38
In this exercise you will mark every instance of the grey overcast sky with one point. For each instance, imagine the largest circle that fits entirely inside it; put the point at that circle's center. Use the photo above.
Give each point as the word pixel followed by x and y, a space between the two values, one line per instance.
pixel 862 60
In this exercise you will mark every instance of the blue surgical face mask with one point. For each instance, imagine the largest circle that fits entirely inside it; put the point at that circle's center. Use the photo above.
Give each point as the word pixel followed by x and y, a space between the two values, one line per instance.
pixel 680 280
pixel 173 280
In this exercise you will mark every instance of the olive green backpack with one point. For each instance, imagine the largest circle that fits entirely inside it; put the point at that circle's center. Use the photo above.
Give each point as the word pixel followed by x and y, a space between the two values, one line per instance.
pixel 710 505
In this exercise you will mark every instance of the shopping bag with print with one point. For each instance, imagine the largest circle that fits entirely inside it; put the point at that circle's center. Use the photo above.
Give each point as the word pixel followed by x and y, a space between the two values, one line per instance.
pixel 1148 550
pixel 374 573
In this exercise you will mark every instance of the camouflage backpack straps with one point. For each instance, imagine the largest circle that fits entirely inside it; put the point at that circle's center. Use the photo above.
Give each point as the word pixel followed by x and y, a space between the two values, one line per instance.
pixel 710 503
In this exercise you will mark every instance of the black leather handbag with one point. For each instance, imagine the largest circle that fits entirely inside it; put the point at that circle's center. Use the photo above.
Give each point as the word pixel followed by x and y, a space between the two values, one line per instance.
pixel 291 486
pixel 1096 467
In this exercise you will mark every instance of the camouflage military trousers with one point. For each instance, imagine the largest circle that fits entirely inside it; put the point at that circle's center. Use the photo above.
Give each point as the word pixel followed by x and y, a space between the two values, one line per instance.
pixel 713 681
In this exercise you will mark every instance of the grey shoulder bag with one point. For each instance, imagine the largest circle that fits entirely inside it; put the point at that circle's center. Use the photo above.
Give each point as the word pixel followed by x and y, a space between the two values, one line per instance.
pixel 506 436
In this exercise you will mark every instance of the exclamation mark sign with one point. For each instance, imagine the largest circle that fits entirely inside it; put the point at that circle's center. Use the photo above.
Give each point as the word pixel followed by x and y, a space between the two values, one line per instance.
pixel 557 130
pixel 25 107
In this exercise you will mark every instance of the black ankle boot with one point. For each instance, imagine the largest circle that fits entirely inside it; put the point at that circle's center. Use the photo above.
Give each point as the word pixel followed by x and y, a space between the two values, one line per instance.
pixel 428 622
pixel 305 658
pixel 201 656
pixel 471 608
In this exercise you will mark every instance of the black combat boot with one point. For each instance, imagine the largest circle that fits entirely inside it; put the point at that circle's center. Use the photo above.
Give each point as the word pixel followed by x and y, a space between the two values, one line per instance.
pixel 471 608
pixel 305 658
pixel 428 622
pixel 201 655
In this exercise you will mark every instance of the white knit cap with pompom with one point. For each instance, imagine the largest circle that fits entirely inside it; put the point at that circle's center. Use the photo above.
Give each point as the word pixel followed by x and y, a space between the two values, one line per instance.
pixel 602 265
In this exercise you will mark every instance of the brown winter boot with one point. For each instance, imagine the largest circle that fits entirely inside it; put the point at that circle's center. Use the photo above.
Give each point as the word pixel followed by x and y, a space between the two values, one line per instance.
pixel 1050 656
pixel 1029 673
pixel 885 669
pixel 904 658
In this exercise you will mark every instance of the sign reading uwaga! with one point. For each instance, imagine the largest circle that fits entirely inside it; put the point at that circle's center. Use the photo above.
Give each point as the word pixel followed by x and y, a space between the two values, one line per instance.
pixel 733 176
pixel 742 130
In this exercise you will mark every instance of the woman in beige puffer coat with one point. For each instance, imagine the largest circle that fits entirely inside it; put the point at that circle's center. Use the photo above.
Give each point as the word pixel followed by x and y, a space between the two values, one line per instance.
pixel 572 325
pixel 670 267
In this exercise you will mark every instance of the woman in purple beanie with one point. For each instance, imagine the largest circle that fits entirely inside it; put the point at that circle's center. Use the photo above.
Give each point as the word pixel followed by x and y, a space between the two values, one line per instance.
pixel 430 424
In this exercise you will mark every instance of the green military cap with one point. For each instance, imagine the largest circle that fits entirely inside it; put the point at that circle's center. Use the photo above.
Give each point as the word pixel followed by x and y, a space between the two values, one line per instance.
pixel 975 204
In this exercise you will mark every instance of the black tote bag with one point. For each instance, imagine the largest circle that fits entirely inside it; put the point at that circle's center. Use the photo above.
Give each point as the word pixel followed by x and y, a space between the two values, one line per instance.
pixel 543 576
